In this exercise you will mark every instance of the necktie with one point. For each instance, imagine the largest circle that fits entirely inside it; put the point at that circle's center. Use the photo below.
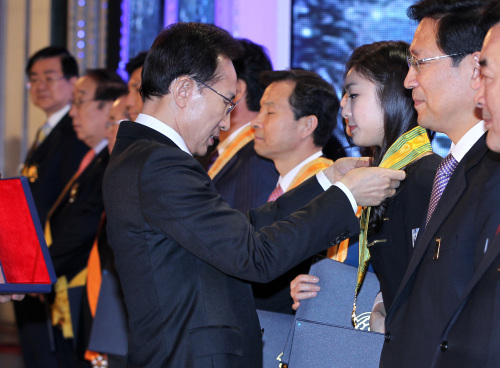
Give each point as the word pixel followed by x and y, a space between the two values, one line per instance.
pixel 86 160
pixel 277 192
pixel 43 132
pixel 443 174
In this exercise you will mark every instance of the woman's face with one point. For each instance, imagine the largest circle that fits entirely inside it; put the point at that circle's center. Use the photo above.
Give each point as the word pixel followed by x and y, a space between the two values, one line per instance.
pixel 362 111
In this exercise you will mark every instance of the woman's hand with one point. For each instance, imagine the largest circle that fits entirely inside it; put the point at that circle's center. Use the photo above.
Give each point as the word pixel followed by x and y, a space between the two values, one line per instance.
pixel 303 287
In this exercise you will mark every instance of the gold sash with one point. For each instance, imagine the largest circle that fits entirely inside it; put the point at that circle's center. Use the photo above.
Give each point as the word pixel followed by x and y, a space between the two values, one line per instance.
pixel 409 147
pixel 245 136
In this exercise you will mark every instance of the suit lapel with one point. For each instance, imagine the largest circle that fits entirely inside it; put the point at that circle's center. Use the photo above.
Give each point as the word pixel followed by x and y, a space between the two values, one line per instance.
pixel 453 191
pixel 36 154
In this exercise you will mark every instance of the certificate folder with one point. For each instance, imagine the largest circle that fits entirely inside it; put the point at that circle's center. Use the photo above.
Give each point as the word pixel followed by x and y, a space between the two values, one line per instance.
pixel 321 345
pixel 25 264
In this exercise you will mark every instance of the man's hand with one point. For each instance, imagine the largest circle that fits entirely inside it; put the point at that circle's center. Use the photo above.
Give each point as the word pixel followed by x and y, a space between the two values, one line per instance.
pixel 343 165
pixel 4 298
pixel 303 287
pixel 371 185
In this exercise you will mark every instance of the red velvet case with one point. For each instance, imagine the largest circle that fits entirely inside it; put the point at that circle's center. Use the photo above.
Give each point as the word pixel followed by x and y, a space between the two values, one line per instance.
pixel 25 264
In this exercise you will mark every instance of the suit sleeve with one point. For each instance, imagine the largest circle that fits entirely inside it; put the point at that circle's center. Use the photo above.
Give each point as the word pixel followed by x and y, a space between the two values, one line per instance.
pixel 178 199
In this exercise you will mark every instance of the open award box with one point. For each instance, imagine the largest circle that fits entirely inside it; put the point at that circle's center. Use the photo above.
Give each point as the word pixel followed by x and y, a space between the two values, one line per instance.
pixel 25 264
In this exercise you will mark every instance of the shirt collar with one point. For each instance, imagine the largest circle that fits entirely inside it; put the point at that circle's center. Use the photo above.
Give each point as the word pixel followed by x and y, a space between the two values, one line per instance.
pixel 465 143
pixel 223 145
pixel 100 146
pixel 286 180
pixel 56 117
pixel 160 127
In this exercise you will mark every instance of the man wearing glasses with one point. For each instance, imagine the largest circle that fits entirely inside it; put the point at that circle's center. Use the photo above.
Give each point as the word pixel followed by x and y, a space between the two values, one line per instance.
pixel 444 76
pixel 73 221
pixel 182 254
pixel 52 159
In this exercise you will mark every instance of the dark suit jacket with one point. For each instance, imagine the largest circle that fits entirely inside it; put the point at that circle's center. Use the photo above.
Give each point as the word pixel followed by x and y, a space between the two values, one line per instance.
pixel 247 180
pixel 432 288
pixel 472 337
pixel 75 221
pixel 56 160
pixel 392 247
pixel 182 253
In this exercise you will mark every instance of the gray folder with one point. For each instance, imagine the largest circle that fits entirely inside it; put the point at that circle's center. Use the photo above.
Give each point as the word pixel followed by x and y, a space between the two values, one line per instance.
pixel 276 328
pixel 109 331
pixel 320 345
pixel 329 318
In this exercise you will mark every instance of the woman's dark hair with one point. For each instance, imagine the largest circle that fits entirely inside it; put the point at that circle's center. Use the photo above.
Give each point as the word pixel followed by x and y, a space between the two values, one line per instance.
pixel 385 65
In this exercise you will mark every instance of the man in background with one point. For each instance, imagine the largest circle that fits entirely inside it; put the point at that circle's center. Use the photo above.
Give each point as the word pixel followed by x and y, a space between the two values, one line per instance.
pixel 298 113
pixel 73 221
pixel 134 70
pixel 51 161
pixel 243 178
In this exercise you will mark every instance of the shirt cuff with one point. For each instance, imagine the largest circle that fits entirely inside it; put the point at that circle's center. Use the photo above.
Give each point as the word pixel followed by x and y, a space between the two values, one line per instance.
pixel 325 184
pixel 323 180
pixel 348 194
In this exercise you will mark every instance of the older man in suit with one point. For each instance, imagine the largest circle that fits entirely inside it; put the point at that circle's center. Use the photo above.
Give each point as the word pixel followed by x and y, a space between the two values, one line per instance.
pixel 182 253
pixel 472 335
pixel 444 77
pixel 53 158
pixel 73 221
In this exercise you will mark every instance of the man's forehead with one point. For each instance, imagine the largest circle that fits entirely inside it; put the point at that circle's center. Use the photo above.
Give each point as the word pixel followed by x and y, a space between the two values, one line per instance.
pixel 424 39
pixel 491 48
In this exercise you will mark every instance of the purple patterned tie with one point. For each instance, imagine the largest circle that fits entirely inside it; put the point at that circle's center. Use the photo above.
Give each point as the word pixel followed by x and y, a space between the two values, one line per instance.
pixel 443 174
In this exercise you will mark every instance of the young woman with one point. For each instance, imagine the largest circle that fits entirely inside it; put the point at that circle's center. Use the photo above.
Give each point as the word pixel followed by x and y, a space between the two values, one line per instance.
pixel 378 110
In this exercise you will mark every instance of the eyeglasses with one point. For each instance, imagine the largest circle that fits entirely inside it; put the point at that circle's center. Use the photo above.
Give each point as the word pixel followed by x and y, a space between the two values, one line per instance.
pixel 49 81
pixel 228 100
pixel 77 103
pixel 414 62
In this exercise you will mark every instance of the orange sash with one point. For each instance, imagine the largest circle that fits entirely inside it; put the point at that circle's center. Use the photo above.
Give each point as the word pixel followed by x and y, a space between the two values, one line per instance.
pixel 245 136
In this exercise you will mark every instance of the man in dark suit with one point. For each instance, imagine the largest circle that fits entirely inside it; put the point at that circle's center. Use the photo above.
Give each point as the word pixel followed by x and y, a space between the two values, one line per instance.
pixel 243 178
pixel 472 334
pixel 134 71
pixel 180 251
pixel 52 159
pixel 444 77
pixel 73 221
pixel 298 113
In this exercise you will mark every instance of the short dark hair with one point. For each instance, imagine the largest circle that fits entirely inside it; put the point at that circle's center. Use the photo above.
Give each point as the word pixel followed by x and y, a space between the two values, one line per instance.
pixel 135 63
pixel 459 27
pixel 491 15
pixel 248 68
pixel 68 63
pixel 311 95
pixel 110 85
pixel 191 49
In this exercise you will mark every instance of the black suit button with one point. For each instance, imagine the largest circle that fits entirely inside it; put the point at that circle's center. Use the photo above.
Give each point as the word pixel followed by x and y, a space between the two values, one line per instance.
pixel 444 346
pixel 388 336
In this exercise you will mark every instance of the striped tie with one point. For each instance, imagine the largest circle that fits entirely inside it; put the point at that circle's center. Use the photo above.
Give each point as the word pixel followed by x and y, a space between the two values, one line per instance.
pixel 443 174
